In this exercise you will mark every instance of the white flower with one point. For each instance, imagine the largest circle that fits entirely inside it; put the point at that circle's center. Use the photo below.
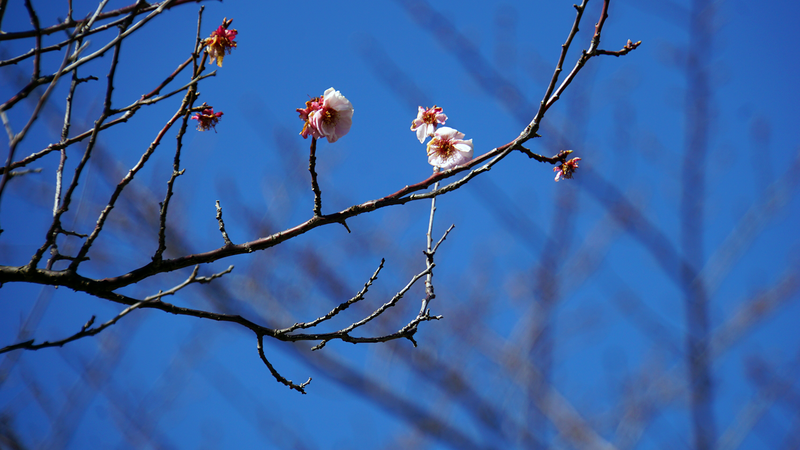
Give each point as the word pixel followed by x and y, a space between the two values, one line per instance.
pixel 447 149
pixel 426 122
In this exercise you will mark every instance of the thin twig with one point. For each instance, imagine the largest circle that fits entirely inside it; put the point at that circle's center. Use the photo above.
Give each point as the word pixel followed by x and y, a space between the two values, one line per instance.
pixel 188 100
pixel 10 132
pixel 341 307
pixel 298 387
pixel 149 101
pixel 441 239
pixel 388 304
pixel 198 42
pixel 168 79
pixel 312 162
pixel 100 7
pixel 64 134
pixel 222 225
pixel 429 294
pixel 588 54
pixel 625 50
pixel 37 51
pixel 20 173
pixel 344 334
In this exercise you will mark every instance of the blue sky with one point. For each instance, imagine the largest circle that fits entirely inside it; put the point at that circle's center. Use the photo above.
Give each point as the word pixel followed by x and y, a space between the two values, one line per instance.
pixel 573 280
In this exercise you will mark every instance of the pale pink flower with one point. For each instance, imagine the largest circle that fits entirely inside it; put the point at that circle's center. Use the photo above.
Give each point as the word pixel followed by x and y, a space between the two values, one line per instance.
pixel 447 149
pixel 566 169
pixel 330 116
pixel 312 107
pixel 426 122
pixel 220 42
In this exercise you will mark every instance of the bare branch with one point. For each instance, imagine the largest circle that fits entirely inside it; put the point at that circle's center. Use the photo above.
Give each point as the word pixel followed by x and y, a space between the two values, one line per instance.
pixel 86 330
pixel 134 8
pixel 64 135
pixel 441 239
pixel 630 46
pixel 121 36
pixel 123 183
pixel 17 138
pixel 312 163
pixel 20 173
pixel 129 111
pixel 298 387
pixel 388 304
pixel 222 226
pixel 169 79
pixel 341 307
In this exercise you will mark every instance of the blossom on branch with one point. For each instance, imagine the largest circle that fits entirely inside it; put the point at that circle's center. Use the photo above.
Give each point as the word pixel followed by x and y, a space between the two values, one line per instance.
pixel 329 116
pixel 207 119
pixel 566 169
pixel 447 149
pixel 220 42
pixel 426 122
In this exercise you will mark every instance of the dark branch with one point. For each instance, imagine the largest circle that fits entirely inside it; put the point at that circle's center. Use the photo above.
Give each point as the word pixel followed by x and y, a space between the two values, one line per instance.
pixel 312 163
pixel 298 387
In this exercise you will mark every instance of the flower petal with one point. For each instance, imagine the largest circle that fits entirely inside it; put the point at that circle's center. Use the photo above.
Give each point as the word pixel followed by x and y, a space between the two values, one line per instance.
pixel 421 133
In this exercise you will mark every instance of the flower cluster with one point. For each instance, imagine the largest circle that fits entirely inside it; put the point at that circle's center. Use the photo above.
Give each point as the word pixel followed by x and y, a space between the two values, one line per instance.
pixel 220 42
pixel 447 148
pixel 329 116
pixel 567 168
pixel 207 119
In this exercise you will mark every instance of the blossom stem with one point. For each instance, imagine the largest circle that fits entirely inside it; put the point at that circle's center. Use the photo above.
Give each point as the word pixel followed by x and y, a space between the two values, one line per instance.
pixel 312 162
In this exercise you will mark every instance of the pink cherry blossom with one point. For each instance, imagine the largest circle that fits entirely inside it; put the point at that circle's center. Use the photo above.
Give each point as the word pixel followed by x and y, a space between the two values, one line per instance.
pixel 330 116
pixel 426 122
pixel 566 169
pixel 220 42
pixel 312 107
pixel 207 119
pixel 447 149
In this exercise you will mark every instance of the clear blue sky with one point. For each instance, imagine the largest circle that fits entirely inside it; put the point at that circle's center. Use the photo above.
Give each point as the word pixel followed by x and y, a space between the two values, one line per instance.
pixel 616 322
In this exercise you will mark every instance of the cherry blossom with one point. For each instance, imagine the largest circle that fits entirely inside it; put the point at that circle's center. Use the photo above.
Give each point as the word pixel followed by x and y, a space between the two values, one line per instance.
pixel 426 122
pixel 566 169
pixel 329 116
pixel 220 42
pixel 207 119
pixel 312 107
pixel 447 149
